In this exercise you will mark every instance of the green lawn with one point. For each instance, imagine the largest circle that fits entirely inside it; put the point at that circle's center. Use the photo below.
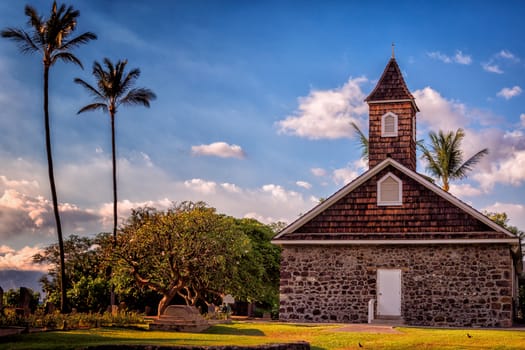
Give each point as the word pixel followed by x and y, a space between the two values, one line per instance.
pixel 245 333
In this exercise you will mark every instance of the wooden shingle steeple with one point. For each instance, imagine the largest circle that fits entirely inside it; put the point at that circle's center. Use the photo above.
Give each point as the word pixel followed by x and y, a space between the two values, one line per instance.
pixel 392 125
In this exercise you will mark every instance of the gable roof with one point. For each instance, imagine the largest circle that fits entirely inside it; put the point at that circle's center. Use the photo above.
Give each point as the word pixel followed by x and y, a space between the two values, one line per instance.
pixel 391 86
pixel 488 231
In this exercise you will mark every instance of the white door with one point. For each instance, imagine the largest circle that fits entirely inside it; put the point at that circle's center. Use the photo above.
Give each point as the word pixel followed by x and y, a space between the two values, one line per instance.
pixel 388 292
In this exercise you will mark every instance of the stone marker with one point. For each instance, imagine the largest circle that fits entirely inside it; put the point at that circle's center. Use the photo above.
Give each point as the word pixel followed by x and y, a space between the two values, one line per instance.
pixel 50 308
pixel 180 318
pixel 24 301
pixel 1 299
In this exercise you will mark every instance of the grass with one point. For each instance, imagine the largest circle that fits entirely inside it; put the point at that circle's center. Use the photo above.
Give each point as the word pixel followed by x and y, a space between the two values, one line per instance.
pixel 249 334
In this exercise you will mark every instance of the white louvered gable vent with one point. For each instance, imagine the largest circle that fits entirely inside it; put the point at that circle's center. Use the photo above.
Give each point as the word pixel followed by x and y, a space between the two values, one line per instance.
pixel 389 190
pixel 389 125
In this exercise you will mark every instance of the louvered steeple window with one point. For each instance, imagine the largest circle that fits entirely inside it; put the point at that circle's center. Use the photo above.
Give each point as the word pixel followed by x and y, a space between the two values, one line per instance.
pixel 389 125
pixel 389 190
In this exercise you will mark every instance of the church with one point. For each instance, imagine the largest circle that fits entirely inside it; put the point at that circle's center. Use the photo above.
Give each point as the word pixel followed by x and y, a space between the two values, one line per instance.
pixel 391 246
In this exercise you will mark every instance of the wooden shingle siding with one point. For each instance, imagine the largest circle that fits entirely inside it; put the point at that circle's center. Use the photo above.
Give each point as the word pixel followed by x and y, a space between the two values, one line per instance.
pixel 421 212
pixel 401 147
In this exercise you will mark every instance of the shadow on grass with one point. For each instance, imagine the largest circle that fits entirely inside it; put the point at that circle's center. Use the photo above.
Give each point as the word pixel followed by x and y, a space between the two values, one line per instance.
pixel 70 340
pixel 218 329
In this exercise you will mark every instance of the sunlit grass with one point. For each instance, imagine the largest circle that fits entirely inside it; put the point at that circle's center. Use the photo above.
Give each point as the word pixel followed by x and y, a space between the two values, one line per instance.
pixel 250 334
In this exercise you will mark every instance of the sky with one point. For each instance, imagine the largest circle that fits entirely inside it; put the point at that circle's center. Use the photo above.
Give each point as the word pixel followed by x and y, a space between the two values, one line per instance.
pixel 254 106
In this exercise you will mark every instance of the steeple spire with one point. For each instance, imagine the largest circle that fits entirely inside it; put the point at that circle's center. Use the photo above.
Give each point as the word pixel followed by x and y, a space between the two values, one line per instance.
pixel 393 54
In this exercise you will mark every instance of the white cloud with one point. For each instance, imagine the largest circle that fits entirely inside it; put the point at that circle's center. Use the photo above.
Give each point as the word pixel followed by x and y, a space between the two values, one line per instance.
pixel 508 171
pixel 437 112
pixel 22 214
pixel 260 218
pixel 515 213
pixel 506 54
pixel 304 184
pixel 327 114
pixel 21 260
pixel 319 172
pixel 465 190
pixel 508 93
pixel 202 186
pixel 459 57
pixel 219 149
pixel 231 187
pixel 439 56
pixel 491 68
pixel 5 249
pixel 522 119
pixel 343 176
pixel 278 193
pixel 501 58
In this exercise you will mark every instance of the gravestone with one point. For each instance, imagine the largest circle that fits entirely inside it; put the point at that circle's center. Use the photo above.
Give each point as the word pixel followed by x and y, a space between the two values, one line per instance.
pixel 182 318
pixel 1 299
pixel 50 308
pixel 24 301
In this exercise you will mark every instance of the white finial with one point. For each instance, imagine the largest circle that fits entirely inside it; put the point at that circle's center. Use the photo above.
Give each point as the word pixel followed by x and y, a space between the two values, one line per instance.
pixel 393 55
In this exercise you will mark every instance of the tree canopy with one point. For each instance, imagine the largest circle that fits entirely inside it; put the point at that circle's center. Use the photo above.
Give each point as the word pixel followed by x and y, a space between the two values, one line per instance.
pixel 188 250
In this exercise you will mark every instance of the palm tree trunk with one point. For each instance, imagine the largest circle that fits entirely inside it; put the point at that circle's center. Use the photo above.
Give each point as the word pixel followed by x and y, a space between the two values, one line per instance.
pixel 63 280
pixel 114 159
pixel 113 151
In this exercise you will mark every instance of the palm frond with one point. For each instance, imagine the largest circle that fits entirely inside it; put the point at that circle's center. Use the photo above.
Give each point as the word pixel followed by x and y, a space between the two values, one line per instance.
pixel 83 38
pixel 138 96
pixel 130 79
pixel 23 39
pixel 66 57
pixel 93 107
pixel 89 88
pixel 462 171
pixel 363 140
pixel 34 20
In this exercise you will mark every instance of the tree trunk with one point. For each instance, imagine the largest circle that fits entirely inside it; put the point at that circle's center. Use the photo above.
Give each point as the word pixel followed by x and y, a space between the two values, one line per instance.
pixel 165 301
pixel 114 162
pixel 114 159
pixel 63 279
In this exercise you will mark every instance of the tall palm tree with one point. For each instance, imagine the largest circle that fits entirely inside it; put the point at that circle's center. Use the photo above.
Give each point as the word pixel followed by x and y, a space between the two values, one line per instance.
pixel 445 157
pixel 51 38
pixel 114 87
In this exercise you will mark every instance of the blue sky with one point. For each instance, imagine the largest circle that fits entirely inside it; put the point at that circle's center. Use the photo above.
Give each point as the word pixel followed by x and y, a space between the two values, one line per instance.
pixel 254 104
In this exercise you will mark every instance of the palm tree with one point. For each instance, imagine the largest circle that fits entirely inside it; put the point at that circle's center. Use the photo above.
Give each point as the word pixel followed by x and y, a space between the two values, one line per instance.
pixel 51 38
pixel 114 88
pixel 445 157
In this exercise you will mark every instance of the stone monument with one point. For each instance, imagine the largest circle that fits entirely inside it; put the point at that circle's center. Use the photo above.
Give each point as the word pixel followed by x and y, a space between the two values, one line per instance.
pixel 181 318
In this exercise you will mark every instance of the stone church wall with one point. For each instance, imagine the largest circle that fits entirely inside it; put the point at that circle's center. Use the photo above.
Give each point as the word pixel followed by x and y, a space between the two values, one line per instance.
pixel 442 285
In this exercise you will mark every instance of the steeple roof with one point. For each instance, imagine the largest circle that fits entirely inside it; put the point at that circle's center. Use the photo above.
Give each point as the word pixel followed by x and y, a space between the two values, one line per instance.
pixel 391 86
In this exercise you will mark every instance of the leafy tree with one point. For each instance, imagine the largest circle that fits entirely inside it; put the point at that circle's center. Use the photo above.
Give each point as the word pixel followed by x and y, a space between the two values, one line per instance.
pixel 86 263
pixel 187 250
pixel 445 157
pixel 114 87
pixel 51 38
pixel 257 279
